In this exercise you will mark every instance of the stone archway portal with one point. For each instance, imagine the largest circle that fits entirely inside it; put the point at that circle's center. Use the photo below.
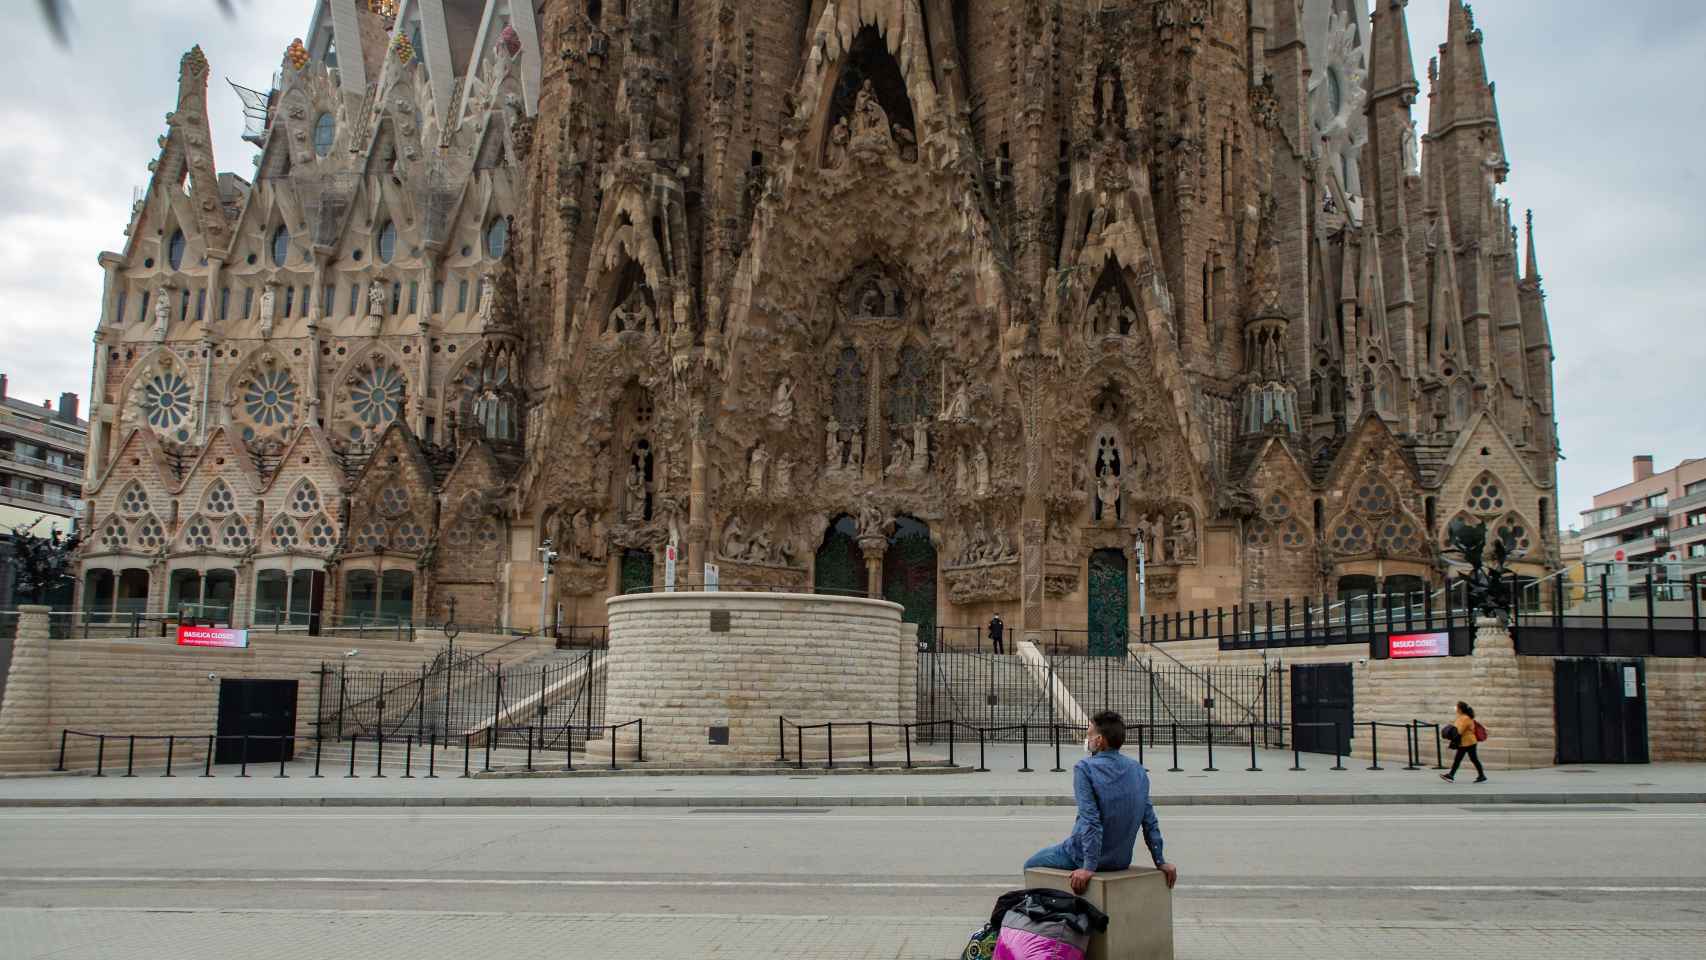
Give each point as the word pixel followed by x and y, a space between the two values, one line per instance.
pixel 909 575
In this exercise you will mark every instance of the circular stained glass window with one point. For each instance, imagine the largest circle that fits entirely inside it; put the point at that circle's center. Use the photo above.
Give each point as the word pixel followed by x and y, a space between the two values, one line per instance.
pixel 220 501
pixel 304 499
pixel 199 534
pixel 134 500
pixel 284 533
pixel 166 401
pixel 114 536
pixel 270 399
pixel 378 395
pixel 322 536
pixel 235 536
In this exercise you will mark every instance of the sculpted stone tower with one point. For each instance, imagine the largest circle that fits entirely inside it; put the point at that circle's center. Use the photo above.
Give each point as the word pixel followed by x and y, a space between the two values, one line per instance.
pixel 951 302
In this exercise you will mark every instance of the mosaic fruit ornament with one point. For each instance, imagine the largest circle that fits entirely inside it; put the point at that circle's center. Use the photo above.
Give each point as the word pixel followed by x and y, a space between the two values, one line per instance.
pixel 404 49
pixel 509 41
pixel 297 54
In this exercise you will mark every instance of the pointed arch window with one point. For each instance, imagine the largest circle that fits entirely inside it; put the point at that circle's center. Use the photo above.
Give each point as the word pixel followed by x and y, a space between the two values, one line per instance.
pixel 134 500
pixel 305 499
pixel 386 242
pixel 150 533
pixel 175 250
pixel 235 534
pixel 497 238
pixel 1486 495
pixel 114 536
pixel 280 246
pixel 325 132
pixel 322 536
pixel 284 534
pixel 220 500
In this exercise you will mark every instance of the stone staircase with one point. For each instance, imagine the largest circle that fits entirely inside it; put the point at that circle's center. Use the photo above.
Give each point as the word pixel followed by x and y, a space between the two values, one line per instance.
pixel 983 690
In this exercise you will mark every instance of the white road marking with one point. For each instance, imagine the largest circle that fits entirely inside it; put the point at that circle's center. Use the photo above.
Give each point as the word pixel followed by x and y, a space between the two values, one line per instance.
pixel 1064 816
pixel 834 884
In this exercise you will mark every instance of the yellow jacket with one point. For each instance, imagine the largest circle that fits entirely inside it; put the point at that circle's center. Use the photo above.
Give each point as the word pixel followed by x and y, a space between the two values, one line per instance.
pixel 1465 732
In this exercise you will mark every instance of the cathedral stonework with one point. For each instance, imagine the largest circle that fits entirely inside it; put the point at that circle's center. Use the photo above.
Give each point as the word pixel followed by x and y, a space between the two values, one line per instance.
pixel 958 304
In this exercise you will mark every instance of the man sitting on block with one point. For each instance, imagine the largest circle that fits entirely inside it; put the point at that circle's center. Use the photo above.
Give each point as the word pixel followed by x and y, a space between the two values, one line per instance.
pixel 1112 791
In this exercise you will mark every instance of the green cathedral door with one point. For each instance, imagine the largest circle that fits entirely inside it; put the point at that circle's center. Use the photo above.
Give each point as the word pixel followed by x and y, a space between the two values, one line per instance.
pixel 840 565
pixel 1110 603
pixel 909 575
pixel 636 570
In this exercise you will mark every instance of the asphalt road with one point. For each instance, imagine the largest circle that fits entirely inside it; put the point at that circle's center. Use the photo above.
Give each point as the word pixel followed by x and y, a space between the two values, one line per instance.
pixel 1387 864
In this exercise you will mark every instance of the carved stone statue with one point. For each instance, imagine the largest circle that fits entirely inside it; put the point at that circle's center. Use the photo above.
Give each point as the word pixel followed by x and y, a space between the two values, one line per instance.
pixel 1411 157
pixel 376 298
pixel 962 485
pixel 856 450
pixel 832 446
pixel 269 309
pixel 488 298
pixel 838 138
pixel 872 523
pixel 900 457
pixel 162 313
pixel 959 408
pixel 734 544
pixel 869 117
pixel 920 447
pixel 636 486
pixel 759 464
pixel 579 543
pixel 782 405
pixel 1184 535
pixel 1108 495
pixel 980 465
pixel 784 478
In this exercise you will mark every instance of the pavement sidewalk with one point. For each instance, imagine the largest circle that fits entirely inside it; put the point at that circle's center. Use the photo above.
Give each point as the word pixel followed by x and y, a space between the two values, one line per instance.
pixel 136 934
pixel 1004 785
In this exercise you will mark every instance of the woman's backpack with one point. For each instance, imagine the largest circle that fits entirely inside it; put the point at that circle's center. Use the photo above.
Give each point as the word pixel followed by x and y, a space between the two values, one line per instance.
pixel 1480 733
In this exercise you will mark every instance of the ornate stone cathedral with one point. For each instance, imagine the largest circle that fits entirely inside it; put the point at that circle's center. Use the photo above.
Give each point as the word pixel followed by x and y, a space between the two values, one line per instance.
pixel 958 303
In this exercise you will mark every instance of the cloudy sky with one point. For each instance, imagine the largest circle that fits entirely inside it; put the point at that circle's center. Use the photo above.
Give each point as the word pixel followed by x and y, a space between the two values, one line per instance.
pixel 1590 104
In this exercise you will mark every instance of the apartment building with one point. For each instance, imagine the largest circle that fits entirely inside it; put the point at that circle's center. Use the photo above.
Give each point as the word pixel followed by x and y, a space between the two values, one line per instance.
pixel 1656 518
pixel 41 463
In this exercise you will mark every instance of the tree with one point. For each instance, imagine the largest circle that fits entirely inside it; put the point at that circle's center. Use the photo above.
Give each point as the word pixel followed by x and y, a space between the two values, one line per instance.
pixel 43 564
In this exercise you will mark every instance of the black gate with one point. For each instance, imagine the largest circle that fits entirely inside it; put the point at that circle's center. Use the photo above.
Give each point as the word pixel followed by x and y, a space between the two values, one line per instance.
pixel 1323 693
pixel 1601 710
pixel 263 709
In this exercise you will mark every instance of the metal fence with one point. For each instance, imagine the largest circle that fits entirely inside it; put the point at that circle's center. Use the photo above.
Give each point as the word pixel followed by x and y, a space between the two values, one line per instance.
pixel 459 695
pixel 1005 694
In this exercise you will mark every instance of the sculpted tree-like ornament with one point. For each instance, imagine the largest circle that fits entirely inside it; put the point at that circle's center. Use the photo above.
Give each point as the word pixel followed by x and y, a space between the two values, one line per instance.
pixel 1486 584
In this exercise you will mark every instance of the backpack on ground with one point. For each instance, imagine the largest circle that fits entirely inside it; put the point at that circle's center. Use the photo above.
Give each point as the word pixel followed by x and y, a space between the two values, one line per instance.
pixel 1037 924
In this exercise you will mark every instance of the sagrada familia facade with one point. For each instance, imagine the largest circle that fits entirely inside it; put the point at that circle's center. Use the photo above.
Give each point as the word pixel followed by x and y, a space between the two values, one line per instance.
pixel 959 303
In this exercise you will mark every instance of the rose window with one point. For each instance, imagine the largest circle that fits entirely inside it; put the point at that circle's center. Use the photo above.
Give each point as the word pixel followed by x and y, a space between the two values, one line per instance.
pixel 166 401
pixel 393 501
pixel 199 534
pixel 377 395
pixel 1259 535
pixel 371 536
pixel 284 535
pixel 220 500
pixel 1515 532
pixel 1350 536
pixel 305 499
pixel 1293 536
pixel 410 537
pixel 270 399
pixel 134 500
pixel 114 536
pixel 150 534
pixel 1486 496
pixel 1276 508
pixel 460 536
pixel 322 536
pixel 1400 536
pixel 1374 496
pixel 235 535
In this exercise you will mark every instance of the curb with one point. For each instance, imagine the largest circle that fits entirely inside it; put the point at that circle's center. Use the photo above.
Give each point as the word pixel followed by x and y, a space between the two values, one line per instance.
pixel 1187 800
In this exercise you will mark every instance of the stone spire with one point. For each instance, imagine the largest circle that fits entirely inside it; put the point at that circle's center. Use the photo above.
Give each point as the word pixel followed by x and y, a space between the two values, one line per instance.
pixel 1466 118
pixel 1391 65
pixel 1531 264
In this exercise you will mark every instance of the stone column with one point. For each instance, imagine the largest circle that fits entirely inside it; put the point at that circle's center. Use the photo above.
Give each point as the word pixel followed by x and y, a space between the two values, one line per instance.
pixel 26 742
pixel 1512 697
pixel 698 501
pixel 1033 371
pixel 874 548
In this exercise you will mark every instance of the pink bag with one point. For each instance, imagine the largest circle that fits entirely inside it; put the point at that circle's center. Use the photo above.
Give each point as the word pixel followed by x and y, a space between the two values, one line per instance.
pixel 1023 945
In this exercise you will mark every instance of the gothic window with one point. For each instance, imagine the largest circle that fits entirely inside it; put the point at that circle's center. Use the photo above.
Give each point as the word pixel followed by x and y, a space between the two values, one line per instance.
pixel 1293 535
pixel 235 535
pixel 1400 536
pixel 268 402
pixel 133 501
pixel 1350 536
pixel 322 535
pixel 497 238
pixel 304 499
pixel 198 534
pixel 369 537
pixel 166 402
pixel 849 392
pixel 1516 531
pixel 284 534
pixel 1259 535
pixel 325 131
pixel 175 250
pixel 280 246
pixel 220 500
pixel 393 501
pixel 1373 495
pixel 1486 495
pixel 386 243
pixel 911 399
pixel 375 396
pixel 1386 399
pixel 1276 508
pixel 114 536
pixel 409 537
pixel 150 533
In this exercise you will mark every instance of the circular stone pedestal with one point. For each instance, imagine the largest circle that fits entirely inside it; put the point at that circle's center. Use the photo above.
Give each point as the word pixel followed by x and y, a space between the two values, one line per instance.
pixel 699 665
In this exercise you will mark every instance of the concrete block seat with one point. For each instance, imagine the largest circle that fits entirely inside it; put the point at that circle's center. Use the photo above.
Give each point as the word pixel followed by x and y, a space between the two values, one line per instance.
pixel 1139 908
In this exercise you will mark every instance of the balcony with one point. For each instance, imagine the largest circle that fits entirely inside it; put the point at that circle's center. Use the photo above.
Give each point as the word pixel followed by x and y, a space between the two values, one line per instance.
pixel 1685 504
pixel 40 465
pixel 1688 535
pixel 53 503
pixel 1627 521
pixel 61 436
pixel 1632 551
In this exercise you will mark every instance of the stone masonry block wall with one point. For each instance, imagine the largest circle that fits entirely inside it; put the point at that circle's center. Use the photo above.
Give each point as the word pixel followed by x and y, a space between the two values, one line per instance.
pixel 809 658
pixel 154 687
pixel 1676 709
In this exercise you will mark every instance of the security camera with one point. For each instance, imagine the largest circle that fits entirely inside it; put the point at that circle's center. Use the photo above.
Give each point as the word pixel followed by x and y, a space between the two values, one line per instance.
pixel 1362 661
pixel 212 677
pixel 351 653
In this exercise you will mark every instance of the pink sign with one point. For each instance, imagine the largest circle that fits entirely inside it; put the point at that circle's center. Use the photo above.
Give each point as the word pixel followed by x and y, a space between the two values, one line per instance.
pixel 212 637
pixel 1409 646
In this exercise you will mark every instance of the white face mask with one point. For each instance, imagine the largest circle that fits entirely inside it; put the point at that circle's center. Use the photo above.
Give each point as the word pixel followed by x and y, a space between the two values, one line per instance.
pixel 1088 747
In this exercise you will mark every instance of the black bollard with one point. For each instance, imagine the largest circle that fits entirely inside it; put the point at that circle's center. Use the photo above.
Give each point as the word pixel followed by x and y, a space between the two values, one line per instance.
pixel 1253 767
pixel 171 742
pixel 1210 728
pixel 1175 768
pixel 1374 745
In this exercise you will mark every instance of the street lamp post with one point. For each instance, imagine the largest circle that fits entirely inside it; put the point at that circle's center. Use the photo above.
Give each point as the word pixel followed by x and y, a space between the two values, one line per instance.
pixel 547 561
pixel 1140 549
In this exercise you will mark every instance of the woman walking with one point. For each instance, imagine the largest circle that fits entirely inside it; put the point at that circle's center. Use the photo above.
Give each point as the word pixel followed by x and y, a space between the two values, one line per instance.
pixel 1465 741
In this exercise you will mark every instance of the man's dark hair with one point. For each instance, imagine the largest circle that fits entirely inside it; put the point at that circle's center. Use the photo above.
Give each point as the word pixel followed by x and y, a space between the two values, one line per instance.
pixel 1112 728
pixel 1466 709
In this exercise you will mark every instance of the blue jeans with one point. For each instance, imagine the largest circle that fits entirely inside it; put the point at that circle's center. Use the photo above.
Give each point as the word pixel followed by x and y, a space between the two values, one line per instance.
pixel 1056 857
